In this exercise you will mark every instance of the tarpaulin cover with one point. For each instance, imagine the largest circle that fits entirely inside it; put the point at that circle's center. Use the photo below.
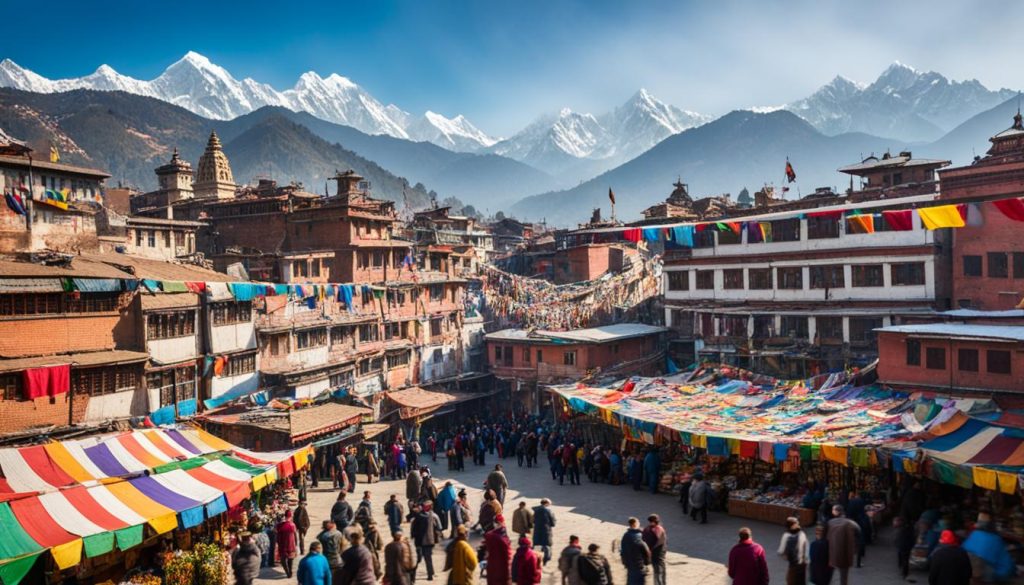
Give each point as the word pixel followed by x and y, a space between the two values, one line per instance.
pixel 97 284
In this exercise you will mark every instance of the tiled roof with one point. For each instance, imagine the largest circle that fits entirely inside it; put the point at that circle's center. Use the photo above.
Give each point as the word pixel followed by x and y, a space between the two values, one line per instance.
pixel 160 269
pixel 80 267
pixel 323 418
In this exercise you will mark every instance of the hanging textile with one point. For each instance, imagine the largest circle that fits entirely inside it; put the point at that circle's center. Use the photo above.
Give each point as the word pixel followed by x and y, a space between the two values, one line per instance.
pixel 196 287
pixel 97 284
pixel 219 364
pixel 974 215
pixel 942 216
pixel 173 286
pixel 48 381
pixel 861 224
pixel 652 234
pixel 718 447
pixel 754 233
pixel 748 449
pixel 985 478
pixel 899 220
pixel 683 236
pixel 838 214
pixel 246 291
pixel 631 235
pixel 1011 208
pixel 14 203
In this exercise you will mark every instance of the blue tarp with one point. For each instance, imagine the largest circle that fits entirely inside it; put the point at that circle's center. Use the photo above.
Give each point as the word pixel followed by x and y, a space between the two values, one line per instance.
pixel 97 284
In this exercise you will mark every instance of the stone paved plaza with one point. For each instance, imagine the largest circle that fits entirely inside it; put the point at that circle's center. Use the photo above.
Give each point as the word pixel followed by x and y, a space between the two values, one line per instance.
pixel 597 513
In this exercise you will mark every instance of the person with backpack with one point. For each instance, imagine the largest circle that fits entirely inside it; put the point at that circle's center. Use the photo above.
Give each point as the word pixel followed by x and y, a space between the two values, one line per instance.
pixel 794 549
pixel 593 568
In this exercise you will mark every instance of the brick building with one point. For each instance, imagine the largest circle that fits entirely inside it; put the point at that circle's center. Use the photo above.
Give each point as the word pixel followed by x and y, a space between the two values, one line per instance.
pixel 524 360
pixel 953 357
pixel 988 253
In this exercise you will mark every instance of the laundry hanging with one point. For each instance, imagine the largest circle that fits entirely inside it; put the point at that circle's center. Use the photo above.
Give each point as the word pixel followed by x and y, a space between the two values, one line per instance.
pixel 901 220
pixel 861 224
pixel 652 234
pixel 942 216
pixel 683 236
pixel 47 381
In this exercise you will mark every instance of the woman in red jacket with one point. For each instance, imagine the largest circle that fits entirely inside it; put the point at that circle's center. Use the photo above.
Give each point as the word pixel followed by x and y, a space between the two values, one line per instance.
pixel 287 544
pixel 526 564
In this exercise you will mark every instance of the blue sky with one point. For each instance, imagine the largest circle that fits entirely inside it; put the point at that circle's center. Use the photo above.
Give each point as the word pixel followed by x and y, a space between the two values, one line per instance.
pixel 504 63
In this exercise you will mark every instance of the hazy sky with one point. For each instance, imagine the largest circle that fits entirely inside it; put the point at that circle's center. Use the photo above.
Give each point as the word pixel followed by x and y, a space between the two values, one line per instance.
pixel 503 64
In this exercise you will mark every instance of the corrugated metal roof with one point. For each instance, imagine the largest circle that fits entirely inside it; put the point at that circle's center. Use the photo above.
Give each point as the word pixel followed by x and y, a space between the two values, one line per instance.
pixel 1000 332
pixel 324 417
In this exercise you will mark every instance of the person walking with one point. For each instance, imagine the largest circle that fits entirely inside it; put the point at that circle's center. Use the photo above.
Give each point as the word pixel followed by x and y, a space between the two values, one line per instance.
pixel 444 503
pixel 394 512
pixel 399 566
pixel 246 560
pixel 498 483
pixel 821 571
pixel 341 512
pixel 652 471
pixel 372 467
pixel 357 563
pixel 413 486
pixel 313 568
pixel 426 530
pixel 684 493
pixel 906 538
pixel 567 561
pixel 498 549
pixel 843 543
pixel 700 495
pixel 331 545
pixel 635 554
pixel 793 548
pixel 593 568
pixel 526 565
pixel 747 562
pixel 262 542
pixel 301 519
pixel 351 467
pixel 987 548
pixel 656 539
pixel 543 525
pixel 461 559
pixel 489 510
pixel 522 520
pixel 949 563
pixel 374 543
pixel 287 545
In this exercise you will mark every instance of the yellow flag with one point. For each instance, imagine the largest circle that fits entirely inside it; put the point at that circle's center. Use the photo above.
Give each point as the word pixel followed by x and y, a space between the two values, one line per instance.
pixel 54 154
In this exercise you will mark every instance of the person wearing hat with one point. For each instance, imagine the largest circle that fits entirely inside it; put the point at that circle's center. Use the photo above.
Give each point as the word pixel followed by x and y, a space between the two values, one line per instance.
pixel 399 565
pixel 526 565
pixel 794 549
pixel 498 547
pixel 656 538
pixel 301 519
pixel 245 560
pixel 949 563
pixel 700 493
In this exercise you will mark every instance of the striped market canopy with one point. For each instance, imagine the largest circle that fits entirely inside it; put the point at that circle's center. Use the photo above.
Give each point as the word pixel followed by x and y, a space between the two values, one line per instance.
pixel 94 495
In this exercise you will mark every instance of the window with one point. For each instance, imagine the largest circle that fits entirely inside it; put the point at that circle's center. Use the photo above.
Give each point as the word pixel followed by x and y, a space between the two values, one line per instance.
pixel 92 303
pixel 138 238
pixel 729 237
pixel 793 326
pixel 374 366
pixel 343 336
pixel 435 327
pixel 240 364
pixel 341 379
pixel 1018 264
pixel 11 386
pixel 526 355
pixel 913 352
pixel 972 265
pixel 392 330
pixel 167 239
pixel 540 356
pixel 791 278
pixel 830 276
pixel 497 353
pixel 436 292
pixel 679 280
pixel 378 259
pixel 906 274
pixel 104 380
pixel 967 360
pixel 569 358
pixel 314 266
pixel 705 279
pixel 764 326
pixel 760 278
pixel 231 312
pixel 369 333
pixel 168 325
pixel 615 349
pixel 998 361
pixel 734 325
pixel 819 228
pixel 786 230
pixel 398 359
pixel 151 238
pixel 829 327
pixel 862 329
pixel 867 275
pixel 311 338
pixel 29 304
pixel 935 358
pixel 733 278
pixel 998 266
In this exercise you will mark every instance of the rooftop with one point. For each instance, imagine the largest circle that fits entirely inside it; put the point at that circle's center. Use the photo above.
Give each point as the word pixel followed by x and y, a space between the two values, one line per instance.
pixel 22 161
pixel 960 330
pixel 904 159
pixel 76 267
pixel 159 269
pixel 86 359
pixel 603 334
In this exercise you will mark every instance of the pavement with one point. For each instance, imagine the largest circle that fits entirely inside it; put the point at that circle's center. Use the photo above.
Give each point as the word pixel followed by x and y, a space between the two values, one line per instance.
pixel 597 513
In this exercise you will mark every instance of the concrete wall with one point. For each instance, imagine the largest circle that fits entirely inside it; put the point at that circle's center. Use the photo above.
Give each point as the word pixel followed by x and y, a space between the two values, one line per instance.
pixel 229 338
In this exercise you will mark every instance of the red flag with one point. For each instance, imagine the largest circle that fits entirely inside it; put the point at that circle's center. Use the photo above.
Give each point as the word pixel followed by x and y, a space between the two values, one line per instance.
pixel 790 173
pixel 611 196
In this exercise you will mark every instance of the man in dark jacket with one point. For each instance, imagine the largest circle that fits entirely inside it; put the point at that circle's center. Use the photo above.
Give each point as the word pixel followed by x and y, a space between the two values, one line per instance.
pixel 593 568
pixel 426 527
pixel 394 511
pixel 821 572
pixel 543 525
pixel 301 519
pixel 246 561
pixel 331 543
pixel 949 564
pixel 357 563
pixel 635 554
pixel 656 539
pixel 351 467
pixel 342 513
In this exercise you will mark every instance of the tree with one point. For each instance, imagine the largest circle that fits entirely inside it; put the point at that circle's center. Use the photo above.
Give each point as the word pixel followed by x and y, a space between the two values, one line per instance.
pixel 470 211
pixel 499 216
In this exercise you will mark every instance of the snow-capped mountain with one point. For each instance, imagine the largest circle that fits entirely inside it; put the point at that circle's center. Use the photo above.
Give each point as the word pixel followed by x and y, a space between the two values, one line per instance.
pixel 902 103
pixel 458 133
pixel 209 90
pixel 557 142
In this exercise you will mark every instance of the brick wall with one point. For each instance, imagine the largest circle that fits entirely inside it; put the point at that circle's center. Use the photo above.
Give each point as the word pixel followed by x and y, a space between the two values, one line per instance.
pixel 20 415
pixel 893 367
pixel 998 234
pixel 62 334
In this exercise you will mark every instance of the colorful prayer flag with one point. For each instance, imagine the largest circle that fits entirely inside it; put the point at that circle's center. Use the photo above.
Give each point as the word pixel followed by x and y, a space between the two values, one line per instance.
pixel 54 154
pixel 790 173
pixel 611 196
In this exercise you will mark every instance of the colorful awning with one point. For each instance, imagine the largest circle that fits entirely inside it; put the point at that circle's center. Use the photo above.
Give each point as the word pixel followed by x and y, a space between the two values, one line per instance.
pixel 93 495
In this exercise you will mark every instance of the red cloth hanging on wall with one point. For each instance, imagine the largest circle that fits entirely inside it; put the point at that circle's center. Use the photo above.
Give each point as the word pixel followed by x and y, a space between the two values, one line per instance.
pixel 49 381
pixel 1011 208
pixel 632 235
pixel 899 221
